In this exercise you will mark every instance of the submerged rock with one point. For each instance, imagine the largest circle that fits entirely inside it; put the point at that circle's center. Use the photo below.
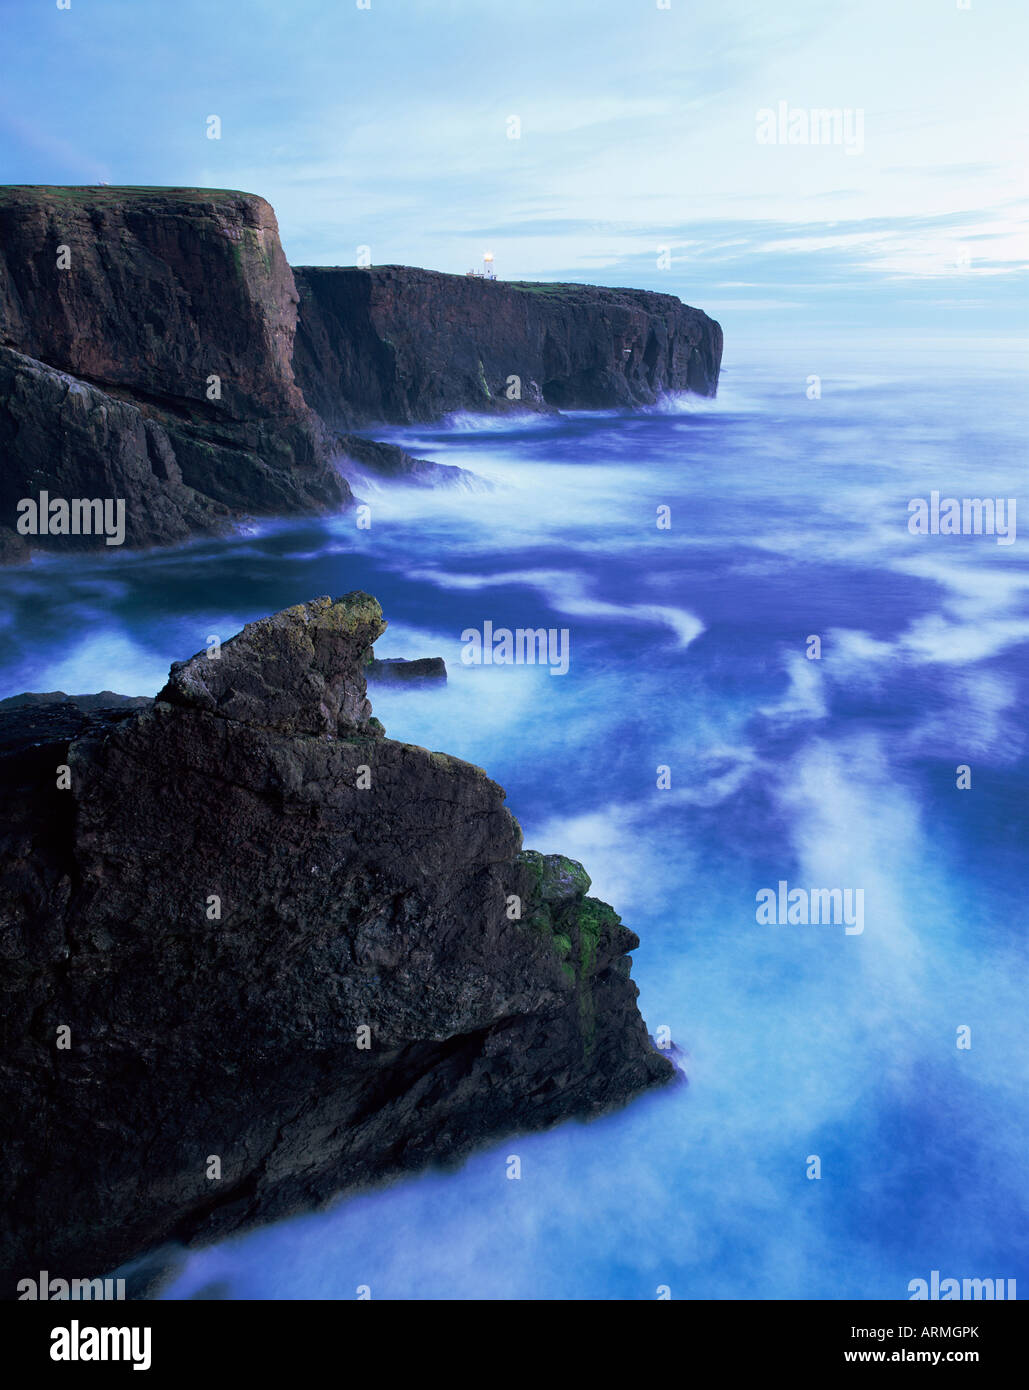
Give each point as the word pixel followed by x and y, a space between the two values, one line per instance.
pixel 255 954
pixel 394 670
pixel 380 460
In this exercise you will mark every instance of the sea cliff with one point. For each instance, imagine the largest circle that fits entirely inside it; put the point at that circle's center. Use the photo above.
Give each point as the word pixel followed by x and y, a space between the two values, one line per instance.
pixel 398 343
pixel 151 351
pixel 146 340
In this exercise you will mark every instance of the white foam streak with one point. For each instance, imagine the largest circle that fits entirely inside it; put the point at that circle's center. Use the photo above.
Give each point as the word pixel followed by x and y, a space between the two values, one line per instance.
pixel 565 592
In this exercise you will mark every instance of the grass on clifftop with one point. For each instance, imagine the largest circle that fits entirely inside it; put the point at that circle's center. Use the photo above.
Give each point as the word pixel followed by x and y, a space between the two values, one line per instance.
pixel 110 193
pixel 559 290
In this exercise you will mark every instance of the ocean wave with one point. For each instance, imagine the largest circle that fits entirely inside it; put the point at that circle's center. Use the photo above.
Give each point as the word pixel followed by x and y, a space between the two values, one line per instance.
pixel 511 421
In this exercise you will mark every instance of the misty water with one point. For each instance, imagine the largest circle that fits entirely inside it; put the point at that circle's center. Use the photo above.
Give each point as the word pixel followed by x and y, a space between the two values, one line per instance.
pixel 789 518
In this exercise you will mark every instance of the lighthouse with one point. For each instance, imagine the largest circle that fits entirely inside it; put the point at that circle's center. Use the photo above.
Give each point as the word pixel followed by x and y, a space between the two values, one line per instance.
pixel 487 266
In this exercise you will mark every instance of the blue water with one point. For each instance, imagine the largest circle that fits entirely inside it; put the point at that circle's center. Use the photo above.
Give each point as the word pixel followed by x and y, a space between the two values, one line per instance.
pixel 789 518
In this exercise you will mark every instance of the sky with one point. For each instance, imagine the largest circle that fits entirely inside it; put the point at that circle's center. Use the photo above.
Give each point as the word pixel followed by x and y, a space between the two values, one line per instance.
pixel 623 142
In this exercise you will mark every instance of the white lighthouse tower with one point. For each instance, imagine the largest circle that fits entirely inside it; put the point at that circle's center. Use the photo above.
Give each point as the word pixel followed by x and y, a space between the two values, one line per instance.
pixel 487 266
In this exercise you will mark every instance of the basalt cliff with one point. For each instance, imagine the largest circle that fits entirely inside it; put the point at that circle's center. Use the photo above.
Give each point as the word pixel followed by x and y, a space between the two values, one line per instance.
pixel 255 953
pixel 397 343
pixel 155 346
pixel 146 340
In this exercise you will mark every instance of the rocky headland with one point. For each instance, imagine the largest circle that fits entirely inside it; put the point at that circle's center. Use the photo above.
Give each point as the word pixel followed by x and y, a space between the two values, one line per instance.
pixel 255 954
pixel 401 344
pixel 156 347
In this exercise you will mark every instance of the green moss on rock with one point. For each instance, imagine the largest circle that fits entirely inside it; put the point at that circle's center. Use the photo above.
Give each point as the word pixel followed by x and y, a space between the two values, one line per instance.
pixel 557 877
pixel 595 920
pixel 576 926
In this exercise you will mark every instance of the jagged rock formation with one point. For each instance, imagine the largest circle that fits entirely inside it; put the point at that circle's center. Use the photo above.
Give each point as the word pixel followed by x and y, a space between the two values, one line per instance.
pixel 119 308
pixel 68 439
pixel 398 343
pixel 163 287
pixel 254 929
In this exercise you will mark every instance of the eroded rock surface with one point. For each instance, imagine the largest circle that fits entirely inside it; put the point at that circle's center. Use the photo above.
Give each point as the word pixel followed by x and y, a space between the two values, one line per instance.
pixel 146 343
pixel 150 351
pixel 400 343
pixel 255 929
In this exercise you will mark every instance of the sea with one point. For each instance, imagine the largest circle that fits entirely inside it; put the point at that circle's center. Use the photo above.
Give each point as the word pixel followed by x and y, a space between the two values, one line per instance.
pixel 772 679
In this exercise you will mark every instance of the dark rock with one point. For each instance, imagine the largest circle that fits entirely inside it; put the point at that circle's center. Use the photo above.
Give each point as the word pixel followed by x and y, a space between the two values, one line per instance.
pixel 298 672
pixel 164 288
pixel 390 461
pixel 105 699
pixel 398 343
pixel 394 670
pixel 559 878
pixel 14 549
pixel 106 365
pixel 242 877
pixel 62 436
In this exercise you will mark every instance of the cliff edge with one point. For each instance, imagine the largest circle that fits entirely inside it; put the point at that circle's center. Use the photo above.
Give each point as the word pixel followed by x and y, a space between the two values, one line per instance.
pixel 146 341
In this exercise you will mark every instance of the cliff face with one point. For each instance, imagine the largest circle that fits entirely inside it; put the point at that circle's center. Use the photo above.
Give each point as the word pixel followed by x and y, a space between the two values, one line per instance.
pixel 254 929
pixel 118 307
pixel 397 343
pixel 62 436
pixel 163 288
pixel 149 351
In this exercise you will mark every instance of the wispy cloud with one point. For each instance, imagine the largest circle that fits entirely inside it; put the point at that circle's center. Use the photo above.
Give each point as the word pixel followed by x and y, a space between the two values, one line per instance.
pixel 636 131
